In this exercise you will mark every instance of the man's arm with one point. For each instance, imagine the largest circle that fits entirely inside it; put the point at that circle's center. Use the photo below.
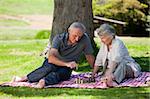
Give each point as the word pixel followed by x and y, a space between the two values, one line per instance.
pixel 95 70
pixel 91 59
pixel 53 58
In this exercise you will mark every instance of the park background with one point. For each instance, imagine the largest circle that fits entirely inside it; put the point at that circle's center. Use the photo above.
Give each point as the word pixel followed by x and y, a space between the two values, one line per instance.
pixel 25 27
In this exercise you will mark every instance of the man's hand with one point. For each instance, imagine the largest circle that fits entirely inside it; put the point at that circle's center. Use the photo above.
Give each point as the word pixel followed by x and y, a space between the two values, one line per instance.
pixel 72 64
pixel 93 75
pixel 94 72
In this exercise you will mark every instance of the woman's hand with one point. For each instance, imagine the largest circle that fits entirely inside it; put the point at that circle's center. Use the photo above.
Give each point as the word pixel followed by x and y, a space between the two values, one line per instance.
pixel 109 79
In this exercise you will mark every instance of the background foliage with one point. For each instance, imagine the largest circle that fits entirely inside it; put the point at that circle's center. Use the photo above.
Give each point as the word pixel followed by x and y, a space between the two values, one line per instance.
pixel 134 12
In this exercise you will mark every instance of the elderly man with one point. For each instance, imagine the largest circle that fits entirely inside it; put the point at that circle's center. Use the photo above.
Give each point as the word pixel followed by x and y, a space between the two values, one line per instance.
pixel 63 56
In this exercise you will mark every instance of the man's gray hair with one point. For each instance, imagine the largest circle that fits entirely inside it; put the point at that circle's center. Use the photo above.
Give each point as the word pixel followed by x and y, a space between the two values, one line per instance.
pixel 78 25
pixel 106 29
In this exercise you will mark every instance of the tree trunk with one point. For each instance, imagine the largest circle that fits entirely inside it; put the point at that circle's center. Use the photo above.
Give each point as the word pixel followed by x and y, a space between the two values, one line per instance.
pixel 68 11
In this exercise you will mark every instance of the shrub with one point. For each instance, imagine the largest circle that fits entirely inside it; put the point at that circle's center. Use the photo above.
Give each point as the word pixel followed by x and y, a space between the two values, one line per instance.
pixel 44 34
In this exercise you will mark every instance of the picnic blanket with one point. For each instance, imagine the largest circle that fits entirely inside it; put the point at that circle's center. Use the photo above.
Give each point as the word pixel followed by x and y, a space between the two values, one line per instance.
pixel 131 82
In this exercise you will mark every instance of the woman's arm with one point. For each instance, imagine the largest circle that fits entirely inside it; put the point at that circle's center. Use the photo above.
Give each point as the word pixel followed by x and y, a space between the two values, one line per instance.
pixel 112 66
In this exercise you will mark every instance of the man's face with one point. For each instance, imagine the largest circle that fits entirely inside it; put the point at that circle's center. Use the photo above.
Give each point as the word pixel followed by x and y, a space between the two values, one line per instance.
pixel 75 35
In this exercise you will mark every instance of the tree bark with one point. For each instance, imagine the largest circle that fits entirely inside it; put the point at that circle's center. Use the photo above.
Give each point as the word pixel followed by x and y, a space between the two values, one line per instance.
pixel 68 11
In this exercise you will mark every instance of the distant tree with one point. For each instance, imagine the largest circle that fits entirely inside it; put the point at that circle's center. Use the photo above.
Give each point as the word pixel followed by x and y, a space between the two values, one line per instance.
pixel 68 11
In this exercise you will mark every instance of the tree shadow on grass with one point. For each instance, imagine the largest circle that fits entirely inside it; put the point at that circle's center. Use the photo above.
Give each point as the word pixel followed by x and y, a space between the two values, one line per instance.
pixel 112 93
pixel 143 61
pixel 86 68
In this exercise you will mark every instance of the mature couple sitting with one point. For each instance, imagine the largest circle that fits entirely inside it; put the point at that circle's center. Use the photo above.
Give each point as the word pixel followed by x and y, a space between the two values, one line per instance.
pixel 66 49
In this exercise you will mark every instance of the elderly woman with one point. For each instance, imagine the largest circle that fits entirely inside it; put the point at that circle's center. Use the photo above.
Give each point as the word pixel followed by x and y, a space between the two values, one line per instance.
pixel 113 56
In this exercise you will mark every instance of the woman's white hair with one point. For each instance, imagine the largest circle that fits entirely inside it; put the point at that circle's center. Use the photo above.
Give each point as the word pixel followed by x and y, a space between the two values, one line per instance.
pixel 106 29
pixel 78 25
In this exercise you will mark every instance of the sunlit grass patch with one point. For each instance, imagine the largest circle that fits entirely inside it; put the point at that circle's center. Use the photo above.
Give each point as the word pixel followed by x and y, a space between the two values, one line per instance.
pixel 17 34
pixel 12 22
pixel 15 7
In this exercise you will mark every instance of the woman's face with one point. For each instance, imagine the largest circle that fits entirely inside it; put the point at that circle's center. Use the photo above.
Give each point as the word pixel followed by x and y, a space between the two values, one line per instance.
pixel 106 39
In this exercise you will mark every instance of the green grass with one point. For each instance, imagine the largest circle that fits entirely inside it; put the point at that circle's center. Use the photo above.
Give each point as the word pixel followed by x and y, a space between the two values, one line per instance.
pixel 19 57
pixel 14 7
pixel 67 93
pixel 10 22
pixel 17 34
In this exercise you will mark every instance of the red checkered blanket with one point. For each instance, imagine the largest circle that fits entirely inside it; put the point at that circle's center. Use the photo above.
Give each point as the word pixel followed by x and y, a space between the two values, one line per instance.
pixel 132 82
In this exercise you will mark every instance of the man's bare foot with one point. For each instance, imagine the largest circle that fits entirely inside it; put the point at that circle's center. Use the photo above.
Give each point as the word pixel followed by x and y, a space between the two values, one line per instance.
pixel 19 79
pixel 40 84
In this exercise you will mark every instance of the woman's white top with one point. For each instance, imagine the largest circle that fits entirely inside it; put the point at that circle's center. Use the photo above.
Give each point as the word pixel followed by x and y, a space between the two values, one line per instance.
pixel 118 53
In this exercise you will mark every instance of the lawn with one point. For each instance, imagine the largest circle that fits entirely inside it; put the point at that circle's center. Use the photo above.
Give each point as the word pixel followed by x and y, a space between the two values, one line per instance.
pixel 10 22
pixel 19 57
pixel 67 93
pixel 15 7
pixel 17 34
